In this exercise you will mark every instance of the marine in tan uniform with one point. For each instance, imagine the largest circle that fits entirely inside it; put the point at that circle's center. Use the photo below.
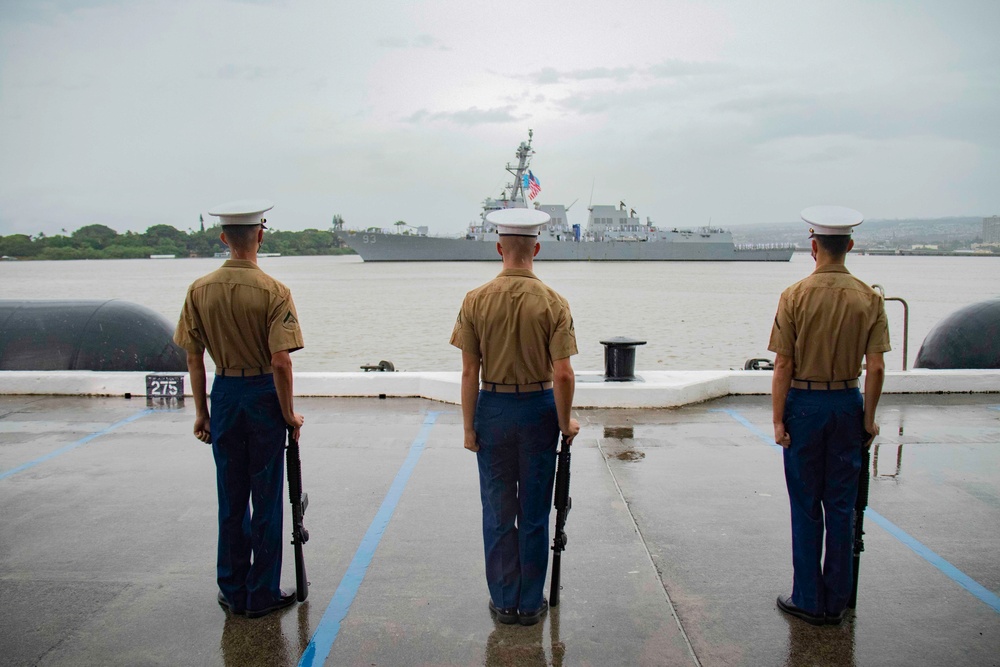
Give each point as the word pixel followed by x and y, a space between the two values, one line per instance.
pixel 825 325
pixel 516 336
pixel 246 320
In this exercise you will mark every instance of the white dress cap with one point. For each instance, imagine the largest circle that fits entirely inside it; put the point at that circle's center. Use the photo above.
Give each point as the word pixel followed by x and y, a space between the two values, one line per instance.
pixel 518 221
pixel 832 220
pixel 243 212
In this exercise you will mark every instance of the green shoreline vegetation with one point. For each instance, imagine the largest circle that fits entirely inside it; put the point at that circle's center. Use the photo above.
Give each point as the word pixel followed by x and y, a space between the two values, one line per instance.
pixel 956 236
pixel 101 242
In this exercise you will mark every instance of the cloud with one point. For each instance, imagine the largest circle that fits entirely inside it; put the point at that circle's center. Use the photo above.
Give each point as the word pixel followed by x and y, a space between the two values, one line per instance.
pixel 548 75
pixel 241 72
pixel 394 43
pixel 44 12
pixel 421 41
pixel 887 110
pixel 756 102
pixel 468 117
pixel 689 108
pixel 680 84
pixel 670 69
pixel 625 101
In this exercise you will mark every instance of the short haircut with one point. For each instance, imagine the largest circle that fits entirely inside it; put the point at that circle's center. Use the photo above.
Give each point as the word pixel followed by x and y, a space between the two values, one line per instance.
pixel 833 244
pixel 241 237
pixel 520 248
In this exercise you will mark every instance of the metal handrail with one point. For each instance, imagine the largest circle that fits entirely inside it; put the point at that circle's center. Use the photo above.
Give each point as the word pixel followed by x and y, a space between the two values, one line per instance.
pixel 906 318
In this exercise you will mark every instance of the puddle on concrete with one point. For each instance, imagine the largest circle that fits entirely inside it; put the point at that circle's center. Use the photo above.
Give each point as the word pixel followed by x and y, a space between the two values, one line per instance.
pixel 620 443
pixel 618 432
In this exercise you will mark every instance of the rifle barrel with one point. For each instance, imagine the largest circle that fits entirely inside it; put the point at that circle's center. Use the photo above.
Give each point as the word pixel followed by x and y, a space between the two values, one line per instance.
pixel 554 584
pixel 864 482
pixel 293 465
pixel 563 503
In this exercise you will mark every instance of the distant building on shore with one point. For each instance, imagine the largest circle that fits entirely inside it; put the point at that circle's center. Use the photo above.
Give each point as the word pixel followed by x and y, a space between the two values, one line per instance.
pixel 991 230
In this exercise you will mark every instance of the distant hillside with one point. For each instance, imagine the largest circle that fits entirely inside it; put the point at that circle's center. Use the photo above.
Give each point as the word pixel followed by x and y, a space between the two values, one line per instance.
pixel 948 233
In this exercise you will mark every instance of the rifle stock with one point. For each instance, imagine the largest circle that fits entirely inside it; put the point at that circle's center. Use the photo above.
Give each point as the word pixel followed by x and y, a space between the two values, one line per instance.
pixel 563 503
pixel 859 521
pixel 299 501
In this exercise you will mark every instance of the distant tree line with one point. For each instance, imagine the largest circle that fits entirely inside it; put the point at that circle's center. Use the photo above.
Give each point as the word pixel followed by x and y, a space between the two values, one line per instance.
pixel 102 242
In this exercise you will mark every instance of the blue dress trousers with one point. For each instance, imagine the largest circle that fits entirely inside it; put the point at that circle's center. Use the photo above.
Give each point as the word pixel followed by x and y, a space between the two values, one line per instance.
pixel 821 471
pixel 248 436
pixel 518 435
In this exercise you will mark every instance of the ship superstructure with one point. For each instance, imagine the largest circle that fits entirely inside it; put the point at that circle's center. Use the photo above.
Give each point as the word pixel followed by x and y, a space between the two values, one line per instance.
pixel 613 233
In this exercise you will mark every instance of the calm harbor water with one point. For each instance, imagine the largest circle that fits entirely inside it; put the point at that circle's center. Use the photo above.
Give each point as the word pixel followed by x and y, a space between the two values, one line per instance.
pixel 710 315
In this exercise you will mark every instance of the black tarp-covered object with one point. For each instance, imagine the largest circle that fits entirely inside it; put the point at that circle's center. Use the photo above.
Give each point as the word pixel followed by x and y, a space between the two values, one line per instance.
pixel 91 335
pixel 968 338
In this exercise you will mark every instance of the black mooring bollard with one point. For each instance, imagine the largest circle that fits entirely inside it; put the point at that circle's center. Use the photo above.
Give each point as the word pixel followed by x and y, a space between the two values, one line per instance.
pixel 619 358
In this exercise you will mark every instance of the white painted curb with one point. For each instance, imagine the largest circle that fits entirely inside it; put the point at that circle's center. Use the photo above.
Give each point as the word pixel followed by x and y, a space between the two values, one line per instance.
pixel 654 389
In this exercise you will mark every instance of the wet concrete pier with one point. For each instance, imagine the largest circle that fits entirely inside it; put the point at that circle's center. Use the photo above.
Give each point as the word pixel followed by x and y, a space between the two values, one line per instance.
pixel 678 541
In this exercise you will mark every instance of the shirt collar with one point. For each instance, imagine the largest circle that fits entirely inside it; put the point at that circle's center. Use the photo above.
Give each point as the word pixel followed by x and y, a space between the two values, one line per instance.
pixel 832 268
pixel 239 264
pixel 526 273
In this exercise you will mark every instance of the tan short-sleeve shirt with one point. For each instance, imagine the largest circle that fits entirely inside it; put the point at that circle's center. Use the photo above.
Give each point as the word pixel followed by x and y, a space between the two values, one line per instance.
pixel 827 322
pixel 240 315
pixel 517 325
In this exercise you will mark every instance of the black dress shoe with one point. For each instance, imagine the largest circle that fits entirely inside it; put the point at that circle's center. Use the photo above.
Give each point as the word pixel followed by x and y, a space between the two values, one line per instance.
pixel 535 616
pixel 224 603
pixel 836 619
pixel 785 605
pixel 507 616
pixel 287 599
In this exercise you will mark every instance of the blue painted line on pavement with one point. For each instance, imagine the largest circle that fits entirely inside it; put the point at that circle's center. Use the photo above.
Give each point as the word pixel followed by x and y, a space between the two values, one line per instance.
pixel 769 439
pixel 78 443
pixel 329 626
pixel 922 550
pixel 965 581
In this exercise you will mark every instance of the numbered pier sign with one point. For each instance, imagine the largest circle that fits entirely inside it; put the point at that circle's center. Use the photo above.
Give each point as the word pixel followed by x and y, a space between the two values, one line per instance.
pixel 164 389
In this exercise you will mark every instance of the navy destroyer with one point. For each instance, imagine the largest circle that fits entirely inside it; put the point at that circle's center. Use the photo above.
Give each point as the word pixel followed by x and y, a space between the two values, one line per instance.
pixel 613 234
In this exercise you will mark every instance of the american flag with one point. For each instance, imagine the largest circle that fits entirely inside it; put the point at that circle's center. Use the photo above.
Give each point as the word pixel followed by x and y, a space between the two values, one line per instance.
pixel 534 187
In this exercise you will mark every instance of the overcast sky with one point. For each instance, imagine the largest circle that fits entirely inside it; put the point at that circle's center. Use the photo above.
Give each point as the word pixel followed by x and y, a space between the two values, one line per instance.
pixel 132 113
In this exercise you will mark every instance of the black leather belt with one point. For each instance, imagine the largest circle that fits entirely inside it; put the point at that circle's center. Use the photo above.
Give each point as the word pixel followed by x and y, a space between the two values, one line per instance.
pixel 814 385
pixel 244 372
pixel 498 388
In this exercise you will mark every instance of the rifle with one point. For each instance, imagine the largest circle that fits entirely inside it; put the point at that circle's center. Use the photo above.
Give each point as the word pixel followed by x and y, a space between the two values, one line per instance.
pixel 859 520
pixel 300 501
pixel 563 503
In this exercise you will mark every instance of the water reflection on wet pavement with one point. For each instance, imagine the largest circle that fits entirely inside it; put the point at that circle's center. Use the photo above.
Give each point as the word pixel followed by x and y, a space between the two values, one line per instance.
pixel 678 542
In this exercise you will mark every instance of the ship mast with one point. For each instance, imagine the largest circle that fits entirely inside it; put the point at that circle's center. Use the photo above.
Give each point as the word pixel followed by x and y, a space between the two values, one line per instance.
pixel 513 193
pixel 524 153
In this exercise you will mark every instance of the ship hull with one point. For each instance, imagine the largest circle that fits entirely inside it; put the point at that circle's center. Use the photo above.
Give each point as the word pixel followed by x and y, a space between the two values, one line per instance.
pixel 380 247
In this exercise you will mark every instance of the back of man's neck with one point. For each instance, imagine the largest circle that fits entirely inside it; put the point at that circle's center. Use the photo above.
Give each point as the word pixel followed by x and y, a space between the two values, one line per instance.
pixel 823 261
pixel 507 264
pixel 246 256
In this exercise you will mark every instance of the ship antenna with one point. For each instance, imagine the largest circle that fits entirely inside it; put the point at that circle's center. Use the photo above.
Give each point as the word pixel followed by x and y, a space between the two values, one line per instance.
pixel 590 204
pixel 524 153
